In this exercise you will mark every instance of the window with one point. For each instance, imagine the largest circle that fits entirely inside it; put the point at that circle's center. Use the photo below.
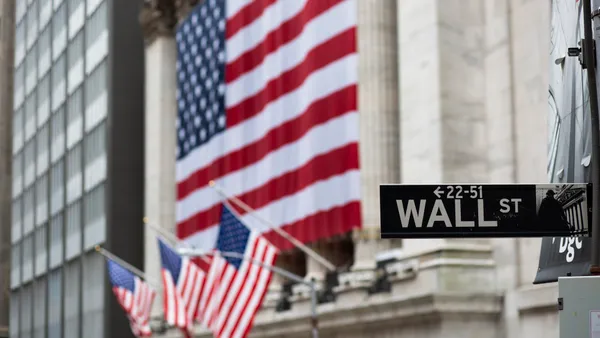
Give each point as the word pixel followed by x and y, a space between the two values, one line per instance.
pixel 73 235
pixel 20 12
pixel 74 175
pixel 41 196
pixel 43 96
pixel 19 42
pixel 95 97
pixel 72 311
pixel 59 31
pixel 32 24
pixel 26 311
pixel 74 118
pixel 58 135
pixel 56 241
pixel 45 57
pixel 94 218
pixel 96 37
pixel 57 188
pixel 27 258
pixel 76 16
pixel 39 308
pixel 29 162
pixel 28 211
pixel 19 94
pixel 75 63
pixel 43 153
pixel 92 5
pixel 17 208
pixel 45 12
pixel 95 157
pixel 17 174
pixel 18 131
pixel 15 266
pixel 30 117
pixel 93 297
pixel 58 82
pixel 41 250
pixel 15 309
pixel 54 302
pixel 57 3
pixel 31 71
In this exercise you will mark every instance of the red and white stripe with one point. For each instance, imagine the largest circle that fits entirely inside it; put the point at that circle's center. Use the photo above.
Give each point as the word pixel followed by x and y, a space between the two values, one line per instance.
pixel 137 306
pixel 181 300
pixel 290 149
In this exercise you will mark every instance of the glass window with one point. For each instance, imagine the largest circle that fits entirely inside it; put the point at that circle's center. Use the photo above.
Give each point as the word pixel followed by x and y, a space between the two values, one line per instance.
pixel 75 118
pixel 76 16
pixel 45 57
pixel 17 208
pixel 93 297
pixel 43 96
pixel 57 3
pixel 45 12
pixel 72 310
pixel 28 211
pixel 59 31
pixel 43 153
pixel 56 241
pixel 31 70
pixel 15 266
pixel 94 218
pixel 19 94
pixel 74 174
pixel 32 24
pixel 18 131
pixel 19 42
pixel 95 157
pixel 21 7
pixel 15 310
pixel 30 106
pixel 17 174
pixel 58 135
pixel 29 163
pixel 73 235
pixel 75 62
pixel 26 311
pixel 59 89
pixel 39 309
pixel 41 196
pixel 96 38
pixel 57 187
pixel 55 292
pixel 41 250
pixel 27 258
pixel 96 98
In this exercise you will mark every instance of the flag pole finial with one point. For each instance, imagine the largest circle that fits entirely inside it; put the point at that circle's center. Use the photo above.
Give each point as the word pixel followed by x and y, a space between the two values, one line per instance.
pixel 211 183
pixel 145 219
pixel 97 247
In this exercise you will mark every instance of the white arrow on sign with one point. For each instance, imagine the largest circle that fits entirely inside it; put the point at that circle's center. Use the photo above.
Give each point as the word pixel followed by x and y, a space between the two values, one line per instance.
pixel 437 192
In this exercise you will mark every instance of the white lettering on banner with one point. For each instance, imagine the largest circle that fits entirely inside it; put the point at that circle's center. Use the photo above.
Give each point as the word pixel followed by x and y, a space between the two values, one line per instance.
pixel 439 214
pixel 411 211
pixel 505 206
pixel 481 216
pixel 459 222
pixel 566 244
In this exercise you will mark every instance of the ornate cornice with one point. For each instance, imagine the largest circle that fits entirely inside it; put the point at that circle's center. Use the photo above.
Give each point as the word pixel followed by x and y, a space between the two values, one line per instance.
pixel 158 17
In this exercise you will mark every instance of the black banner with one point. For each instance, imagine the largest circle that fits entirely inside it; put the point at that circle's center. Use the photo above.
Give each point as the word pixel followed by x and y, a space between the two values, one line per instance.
pixel 563 256
pixel 490 210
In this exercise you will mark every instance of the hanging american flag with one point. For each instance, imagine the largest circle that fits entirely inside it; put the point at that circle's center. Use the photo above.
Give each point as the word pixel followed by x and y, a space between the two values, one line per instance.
pixel 267 107
pixel 182 287
pixel 134 295
pixel 235 287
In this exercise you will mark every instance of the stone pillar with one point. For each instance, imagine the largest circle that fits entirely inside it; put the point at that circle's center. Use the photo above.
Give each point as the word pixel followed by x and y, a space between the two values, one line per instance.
pixel 158 20
pixel 379 108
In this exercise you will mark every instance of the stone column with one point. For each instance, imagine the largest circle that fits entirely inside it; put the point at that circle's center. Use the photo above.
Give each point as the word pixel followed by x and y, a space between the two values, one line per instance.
pixel 158 20
pixel 379 114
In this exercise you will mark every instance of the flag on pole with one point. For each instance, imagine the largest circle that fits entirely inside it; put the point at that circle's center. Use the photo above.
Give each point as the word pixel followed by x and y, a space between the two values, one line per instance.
pixel 134 295
pixel 182 287
pixel 267 107
pixel 235 287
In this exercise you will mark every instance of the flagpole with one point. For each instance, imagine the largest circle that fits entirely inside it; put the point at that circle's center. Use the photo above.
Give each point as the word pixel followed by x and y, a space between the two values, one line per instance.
pixel 128 266
pixel 275 269
pixel 313 254
pixel 171 237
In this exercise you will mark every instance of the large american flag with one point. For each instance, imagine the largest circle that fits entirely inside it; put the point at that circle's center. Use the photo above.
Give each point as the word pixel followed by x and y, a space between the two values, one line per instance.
pixel 235 287
pixel 134 295
pixel 267 107
pixel 182 286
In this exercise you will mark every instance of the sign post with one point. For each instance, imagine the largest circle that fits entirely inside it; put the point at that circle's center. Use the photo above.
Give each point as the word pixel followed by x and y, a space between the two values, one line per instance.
pixel 485 210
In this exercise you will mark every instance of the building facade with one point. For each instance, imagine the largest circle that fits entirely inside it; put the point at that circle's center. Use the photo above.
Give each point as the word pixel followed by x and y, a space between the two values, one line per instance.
pixel 76 157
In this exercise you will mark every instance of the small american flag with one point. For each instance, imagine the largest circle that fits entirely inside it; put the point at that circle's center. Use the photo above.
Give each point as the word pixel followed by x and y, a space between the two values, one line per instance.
pixel 267 107
pixel 182 287
pixel 235 287
pixel 134 295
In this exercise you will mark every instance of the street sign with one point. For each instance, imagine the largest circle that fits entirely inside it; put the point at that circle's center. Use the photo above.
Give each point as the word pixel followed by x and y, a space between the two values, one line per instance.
pixel 484 210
